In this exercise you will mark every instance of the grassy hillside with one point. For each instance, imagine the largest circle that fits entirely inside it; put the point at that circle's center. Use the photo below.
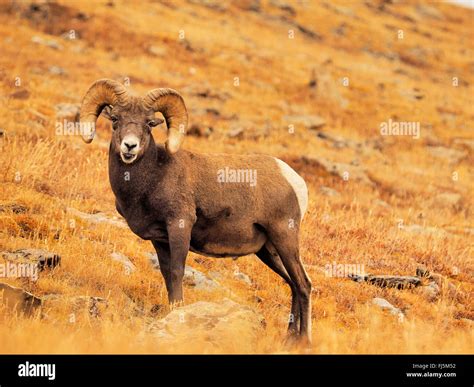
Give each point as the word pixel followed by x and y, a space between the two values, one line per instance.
pixel 256 76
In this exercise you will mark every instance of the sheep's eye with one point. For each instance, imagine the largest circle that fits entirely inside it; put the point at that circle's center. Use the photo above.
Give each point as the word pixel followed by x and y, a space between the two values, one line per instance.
pixel 114 121
pixel 151 123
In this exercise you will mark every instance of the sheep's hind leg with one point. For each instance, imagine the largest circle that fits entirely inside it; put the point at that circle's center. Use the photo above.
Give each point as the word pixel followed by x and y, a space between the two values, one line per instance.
pixel 269 256
pixel 285 241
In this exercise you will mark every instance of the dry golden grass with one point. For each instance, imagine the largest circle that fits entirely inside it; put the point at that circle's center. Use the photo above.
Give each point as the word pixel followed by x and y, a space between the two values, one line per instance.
pixel 49 173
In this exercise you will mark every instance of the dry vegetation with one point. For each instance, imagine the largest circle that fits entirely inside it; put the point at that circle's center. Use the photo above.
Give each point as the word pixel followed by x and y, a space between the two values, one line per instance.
pixel 409 79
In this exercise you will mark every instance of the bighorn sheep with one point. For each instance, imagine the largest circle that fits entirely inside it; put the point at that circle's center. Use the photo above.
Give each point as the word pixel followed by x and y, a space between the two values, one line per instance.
pixel 185 201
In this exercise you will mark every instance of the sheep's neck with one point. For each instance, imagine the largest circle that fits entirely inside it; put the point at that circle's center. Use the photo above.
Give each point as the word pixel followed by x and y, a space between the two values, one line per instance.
pixel 131 182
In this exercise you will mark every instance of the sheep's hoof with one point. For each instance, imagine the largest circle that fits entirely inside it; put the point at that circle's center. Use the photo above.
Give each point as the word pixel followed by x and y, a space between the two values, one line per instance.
pixel 175 304
pixel 294 341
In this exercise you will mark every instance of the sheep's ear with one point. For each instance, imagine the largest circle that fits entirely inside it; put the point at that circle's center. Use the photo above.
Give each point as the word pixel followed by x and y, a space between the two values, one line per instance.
pixel 107 112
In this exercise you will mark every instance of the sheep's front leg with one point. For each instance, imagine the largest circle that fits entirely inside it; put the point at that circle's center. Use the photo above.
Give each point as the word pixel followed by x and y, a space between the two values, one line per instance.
pixel 179 237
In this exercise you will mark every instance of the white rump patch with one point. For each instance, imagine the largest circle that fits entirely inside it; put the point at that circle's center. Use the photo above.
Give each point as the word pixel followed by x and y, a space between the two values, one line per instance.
pixel 297 183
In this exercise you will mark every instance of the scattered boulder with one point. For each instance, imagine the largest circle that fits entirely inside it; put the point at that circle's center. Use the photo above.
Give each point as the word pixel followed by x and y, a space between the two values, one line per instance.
pixel 211 4
pixel 428 11
pixel 330 89
pixel 388 281
pixel 306 120
pixel 383 304
pixel 286 7
pixel 197 130
pixel 56 70
pixel 326 191
pixel 19 300
pixel 344 171
pixel 460 230
pixel 15 208
pixel 249 5
pixel 125 261
pixel 413 94
pixel 158 50
pixel 42 258
pixel 198 280
pixel 94 305
pixel 205 90
pixel 153 258
pixel 437 283
pixel 39 117
pixel 98 218
pixel 336 141
pixel 424 230
pixel 449 200
pixel 431 291
pixel 192 277
pixel 51 43
pixel 74 305
pixel 237 132
pixel 453 156
pixel 68 112
pixel 465 143
pixel 216 326
pixel 242 277
pixel 381 203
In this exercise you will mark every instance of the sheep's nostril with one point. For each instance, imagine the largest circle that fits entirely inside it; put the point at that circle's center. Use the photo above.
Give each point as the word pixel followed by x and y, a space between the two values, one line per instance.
pixel 130 146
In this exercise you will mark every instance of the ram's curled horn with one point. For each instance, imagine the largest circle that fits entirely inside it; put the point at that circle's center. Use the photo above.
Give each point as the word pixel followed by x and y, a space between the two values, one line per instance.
pixel 170 103
pixel 102 93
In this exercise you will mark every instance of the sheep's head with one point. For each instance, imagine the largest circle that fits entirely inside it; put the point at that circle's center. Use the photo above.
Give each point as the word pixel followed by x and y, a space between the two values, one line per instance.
pixel 133 117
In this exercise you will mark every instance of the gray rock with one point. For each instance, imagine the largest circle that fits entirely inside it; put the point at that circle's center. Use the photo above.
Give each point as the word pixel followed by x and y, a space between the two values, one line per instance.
pixel 153 258
pixel 41 258
pixel 222 325
pixel 19 300
pixel 205 90
pixel 337 141
pixel 158 50
pixel 237 132
pixel 125 261
pixel 383 304
pixel 465 143
pixel 198 280
pixel 453 156
pixel 56 70
pixel 326 191
pixel 284 6
pixel 15 208
pixel 381 203
pixel 198 130
pixel 448 199
pixel 431 291
pixel 211 4
pixel 428 11
pixel 98 218
pixel 388 281
pixel 424 230
pixel 242 277
pixel 192 277
pixel 307 120
pixel 346 172
pixel 46 42
pixel 68 111
pixel 74 305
